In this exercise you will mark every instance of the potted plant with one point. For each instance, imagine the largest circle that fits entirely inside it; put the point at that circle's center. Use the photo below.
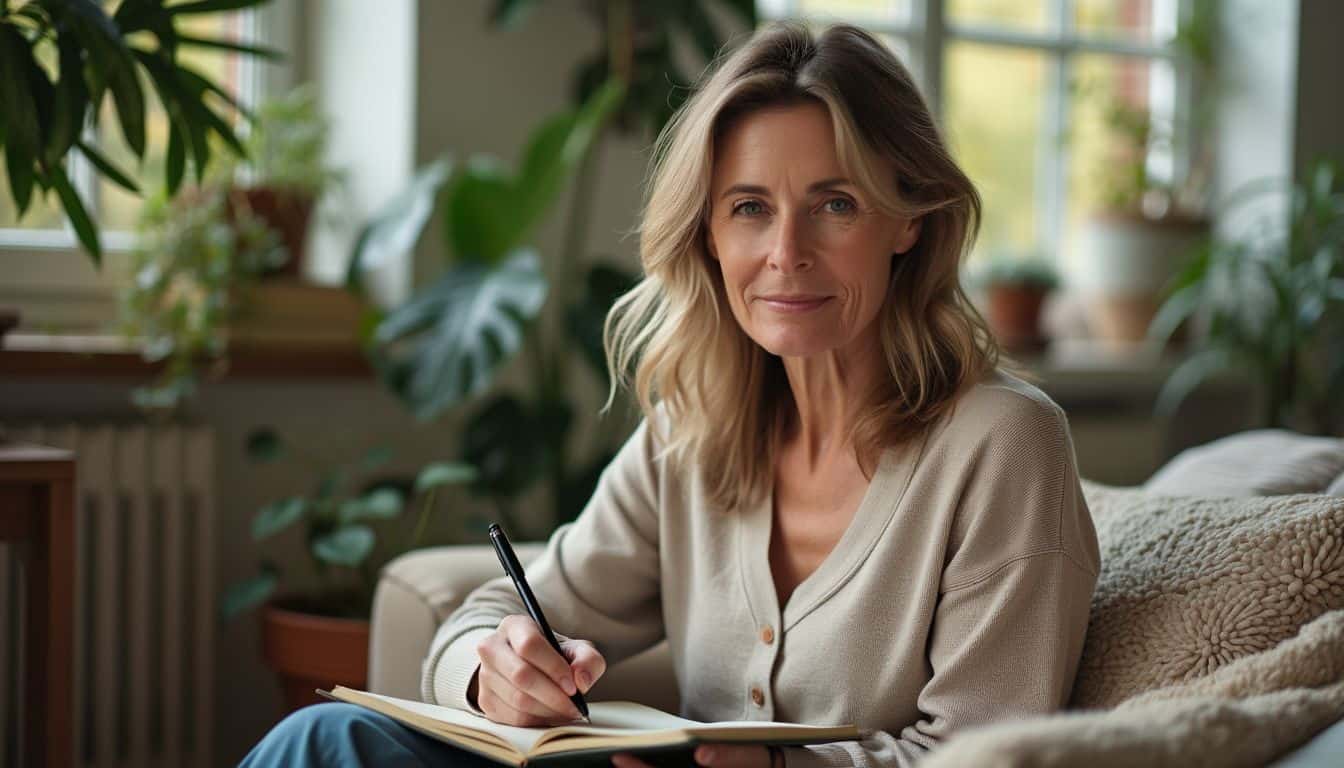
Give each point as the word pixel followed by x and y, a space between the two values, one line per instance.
pixel 1268 301
pixel 1016 290
pixel 319 636
pixel 188 259
pixel 1133 243
pixel 441 349
pixel 284 174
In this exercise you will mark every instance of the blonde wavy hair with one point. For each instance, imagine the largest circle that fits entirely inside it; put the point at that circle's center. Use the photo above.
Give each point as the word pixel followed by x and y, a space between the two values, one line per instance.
pixel 673 339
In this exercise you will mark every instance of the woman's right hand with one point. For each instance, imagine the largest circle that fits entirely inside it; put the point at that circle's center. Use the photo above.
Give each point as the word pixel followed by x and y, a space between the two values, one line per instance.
pixel 523 681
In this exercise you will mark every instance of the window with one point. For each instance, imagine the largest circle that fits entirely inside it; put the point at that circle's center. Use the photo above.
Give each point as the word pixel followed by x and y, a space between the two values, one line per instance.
pixel 46 274
pixel 1033 95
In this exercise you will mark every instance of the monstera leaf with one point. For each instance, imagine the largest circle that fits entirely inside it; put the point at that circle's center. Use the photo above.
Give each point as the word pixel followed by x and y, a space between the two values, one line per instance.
pixel 445 345
pixel 487 211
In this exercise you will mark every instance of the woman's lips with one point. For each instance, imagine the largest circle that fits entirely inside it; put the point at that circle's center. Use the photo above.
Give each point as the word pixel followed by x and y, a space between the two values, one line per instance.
pixel 793 305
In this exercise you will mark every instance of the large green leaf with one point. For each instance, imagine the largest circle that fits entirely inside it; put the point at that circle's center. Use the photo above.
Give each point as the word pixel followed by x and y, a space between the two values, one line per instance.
pixel 444 473
pixel 481 212
pixel 19 111
pixel 396 228
pixel 277 516
pixel 487 213
pixel 346 546
pixel 446 344
pixel 380 504
pixel 249 593
pixel 84 227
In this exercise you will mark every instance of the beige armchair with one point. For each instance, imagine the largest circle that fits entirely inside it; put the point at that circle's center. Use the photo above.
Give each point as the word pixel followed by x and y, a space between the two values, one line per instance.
pixel 419 590
pixel 1215 490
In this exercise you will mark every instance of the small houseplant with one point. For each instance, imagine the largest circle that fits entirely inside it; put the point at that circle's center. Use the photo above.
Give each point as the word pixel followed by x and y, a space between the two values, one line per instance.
pixel 188 259
pixel 318 637
pixel 1133 242
pixel 1016 289
pixel 197 253
pixel 1269 302
pixel 284 174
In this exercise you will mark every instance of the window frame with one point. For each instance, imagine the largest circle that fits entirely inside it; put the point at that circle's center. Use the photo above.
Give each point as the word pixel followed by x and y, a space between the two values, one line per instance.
pixel 929 32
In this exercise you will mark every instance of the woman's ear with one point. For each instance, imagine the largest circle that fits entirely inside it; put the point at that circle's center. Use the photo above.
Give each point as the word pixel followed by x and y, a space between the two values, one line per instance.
pixel 908 235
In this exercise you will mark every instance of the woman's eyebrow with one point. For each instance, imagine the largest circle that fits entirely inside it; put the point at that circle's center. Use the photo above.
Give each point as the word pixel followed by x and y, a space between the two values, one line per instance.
pixel 756 189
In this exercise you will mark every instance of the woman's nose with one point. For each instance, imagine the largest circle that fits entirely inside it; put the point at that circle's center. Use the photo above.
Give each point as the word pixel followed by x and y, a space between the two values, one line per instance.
pixel 790 252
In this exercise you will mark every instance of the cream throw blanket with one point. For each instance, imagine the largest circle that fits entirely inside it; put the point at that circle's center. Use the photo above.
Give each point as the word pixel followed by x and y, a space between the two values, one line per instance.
pixel 1253 710
pixel 1216 637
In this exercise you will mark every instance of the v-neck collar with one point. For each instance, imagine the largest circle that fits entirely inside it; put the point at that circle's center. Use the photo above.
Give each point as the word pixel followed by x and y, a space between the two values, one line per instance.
pixel 874 513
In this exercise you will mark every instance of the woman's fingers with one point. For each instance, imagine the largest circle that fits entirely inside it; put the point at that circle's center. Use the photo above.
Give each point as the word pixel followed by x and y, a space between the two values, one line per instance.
pixel 527 641
pixel 500 710
pixel 522 686
pixel 587 664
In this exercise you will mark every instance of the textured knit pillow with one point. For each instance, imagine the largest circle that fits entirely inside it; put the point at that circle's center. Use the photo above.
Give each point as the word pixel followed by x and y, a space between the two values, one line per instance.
pixel 1189 584
pixel 1260 462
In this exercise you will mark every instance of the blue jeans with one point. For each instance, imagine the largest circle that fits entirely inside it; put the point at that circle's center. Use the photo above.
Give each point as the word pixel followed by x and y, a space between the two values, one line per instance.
pixel 338 734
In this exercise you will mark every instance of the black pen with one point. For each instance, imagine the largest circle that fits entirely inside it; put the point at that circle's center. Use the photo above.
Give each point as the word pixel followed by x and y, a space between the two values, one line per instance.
pixel 515 571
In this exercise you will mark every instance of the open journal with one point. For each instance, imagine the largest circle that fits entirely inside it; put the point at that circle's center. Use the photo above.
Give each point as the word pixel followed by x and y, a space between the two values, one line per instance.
pixel 617 726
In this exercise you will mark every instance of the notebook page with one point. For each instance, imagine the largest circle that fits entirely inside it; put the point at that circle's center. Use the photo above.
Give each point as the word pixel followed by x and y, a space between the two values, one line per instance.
pixel 522 739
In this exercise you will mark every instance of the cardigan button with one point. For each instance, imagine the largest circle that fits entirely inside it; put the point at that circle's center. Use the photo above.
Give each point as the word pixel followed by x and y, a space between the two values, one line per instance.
pixel 757 696
pixel 767 635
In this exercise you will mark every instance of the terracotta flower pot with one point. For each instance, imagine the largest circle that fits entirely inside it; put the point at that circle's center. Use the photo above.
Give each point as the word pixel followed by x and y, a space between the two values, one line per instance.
pixel 308 651
pixel 287 211
pixel 1015 316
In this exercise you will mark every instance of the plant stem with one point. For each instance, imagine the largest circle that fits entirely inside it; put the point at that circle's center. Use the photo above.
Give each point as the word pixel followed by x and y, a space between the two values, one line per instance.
pixel 423 519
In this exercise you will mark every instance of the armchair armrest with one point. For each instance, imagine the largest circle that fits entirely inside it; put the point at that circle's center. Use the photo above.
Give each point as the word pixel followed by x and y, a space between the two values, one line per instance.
pixel 419 590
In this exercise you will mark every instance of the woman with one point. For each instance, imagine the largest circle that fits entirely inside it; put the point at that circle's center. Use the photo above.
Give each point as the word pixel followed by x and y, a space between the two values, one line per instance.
pixel 840 508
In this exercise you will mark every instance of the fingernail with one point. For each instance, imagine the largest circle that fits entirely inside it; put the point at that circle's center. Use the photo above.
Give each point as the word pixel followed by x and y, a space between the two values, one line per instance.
pixel 584 682
pixel 704 754
pixel 568 685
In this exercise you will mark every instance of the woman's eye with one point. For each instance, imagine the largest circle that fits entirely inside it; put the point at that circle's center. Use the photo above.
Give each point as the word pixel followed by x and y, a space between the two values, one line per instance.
pixel 846 207
pixel 743 206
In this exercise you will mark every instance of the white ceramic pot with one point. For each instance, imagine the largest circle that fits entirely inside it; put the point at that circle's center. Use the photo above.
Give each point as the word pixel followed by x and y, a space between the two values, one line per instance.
pixel 1125 263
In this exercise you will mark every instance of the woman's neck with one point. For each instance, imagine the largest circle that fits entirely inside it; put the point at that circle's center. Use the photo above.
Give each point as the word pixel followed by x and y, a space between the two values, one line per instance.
pixel 829 392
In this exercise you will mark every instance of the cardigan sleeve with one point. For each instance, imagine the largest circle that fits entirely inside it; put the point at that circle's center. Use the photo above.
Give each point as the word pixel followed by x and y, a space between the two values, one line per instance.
pixel 1007 631
pixel 597 579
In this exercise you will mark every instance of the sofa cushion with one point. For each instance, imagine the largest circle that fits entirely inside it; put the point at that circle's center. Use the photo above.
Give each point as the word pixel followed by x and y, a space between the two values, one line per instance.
pixel 1261 462
pixel 1188 584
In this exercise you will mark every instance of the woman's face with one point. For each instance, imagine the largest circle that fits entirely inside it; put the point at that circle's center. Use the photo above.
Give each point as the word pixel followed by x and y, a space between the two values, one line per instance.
pixel 804 255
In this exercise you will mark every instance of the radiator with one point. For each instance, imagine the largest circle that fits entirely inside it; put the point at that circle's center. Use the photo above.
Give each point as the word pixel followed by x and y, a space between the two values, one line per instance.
pixel 145 595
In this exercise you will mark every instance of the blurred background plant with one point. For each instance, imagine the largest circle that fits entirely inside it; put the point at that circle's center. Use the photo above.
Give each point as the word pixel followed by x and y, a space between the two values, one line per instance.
pixel 60 58
pixel 1016 286
pixel 189 258
pixel 1124 176
pixel 341 526
pixel 197 252
pixel 1270 300
pixel 445 345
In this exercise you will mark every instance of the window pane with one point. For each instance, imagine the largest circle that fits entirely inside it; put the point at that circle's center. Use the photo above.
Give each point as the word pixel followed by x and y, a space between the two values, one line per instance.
pixel 1021 15
pixel 120 209
pixel 858 10
pixel 993 115
pixel 1119 137
pixel 1137 21
pixel 43 213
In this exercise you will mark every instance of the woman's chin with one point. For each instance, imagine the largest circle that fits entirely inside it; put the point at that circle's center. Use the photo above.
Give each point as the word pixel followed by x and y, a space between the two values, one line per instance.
pixel 797 345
